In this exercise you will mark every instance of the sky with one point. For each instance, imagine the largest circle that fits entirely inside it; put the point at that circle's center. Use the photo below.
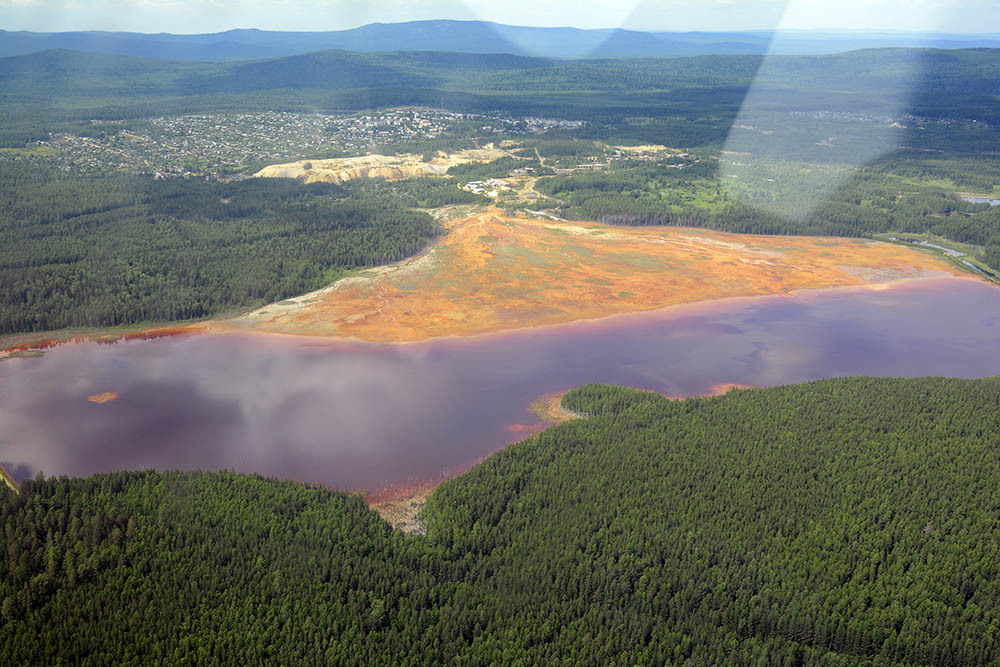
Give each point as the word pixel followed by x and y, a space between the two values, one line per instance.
pixel 196 16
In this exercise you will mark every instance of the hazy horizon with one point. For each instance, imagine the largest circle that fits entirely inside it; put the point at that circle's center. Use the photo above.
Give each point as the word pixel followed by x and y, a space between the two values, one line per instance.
pixel 772 29
pixel 959 17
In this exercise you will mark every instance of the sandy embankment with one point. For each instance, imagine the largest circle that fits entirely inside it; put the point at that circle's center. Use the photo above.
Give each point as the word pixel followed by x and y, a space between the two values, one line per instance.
pixel 388 167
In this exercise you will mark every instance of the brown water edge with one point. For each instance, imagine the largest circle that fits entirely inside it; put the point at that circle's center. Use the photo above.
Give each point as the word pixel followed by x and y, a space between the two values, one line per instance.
pixel 490 272
pixel 700 307
pixel 23 345
pixel 548 408
pixel 401 506
pixel 20 345
pixel 31 344
pixel 459 277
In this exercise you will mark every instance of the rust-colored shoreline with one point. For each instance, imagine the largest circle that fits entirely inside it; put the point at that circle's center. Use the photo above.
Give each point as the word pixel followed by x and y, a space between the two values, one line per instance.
pixel 671 311
pixel 401 505
pixel 490 274
pixel 50 339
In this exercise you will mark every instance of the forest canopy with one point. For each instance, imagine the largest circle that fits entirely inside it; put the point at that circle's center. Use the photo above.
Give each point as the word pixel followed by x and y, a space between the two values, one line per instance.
pixel 105 251
pixel 839 522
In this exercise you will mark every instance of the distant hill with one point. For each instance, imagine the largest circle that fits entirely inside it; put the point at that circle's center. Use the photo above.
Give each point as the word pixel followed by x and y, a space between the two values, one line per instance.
pixel 694 99
pixel 63 74
pixel 58 75
pixel 473 37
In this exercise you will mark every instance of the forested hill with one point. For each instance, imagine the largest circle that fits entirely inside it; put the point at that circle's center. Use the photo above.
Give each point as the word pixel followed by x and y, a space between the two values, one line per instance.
pixel 472 37
pixel 689 101
pixel 841 522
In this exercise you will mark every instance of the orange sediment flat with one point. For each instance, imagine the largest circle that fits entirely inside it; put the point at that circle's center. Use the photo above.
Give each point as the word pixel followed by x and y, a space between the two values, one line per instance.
pixel 105 397
pixel 491 273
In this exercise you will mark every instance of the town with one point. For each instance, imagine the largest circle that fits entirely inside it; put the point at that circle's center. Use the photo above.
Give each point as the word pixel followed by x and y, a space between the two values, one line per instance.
pixel 226 145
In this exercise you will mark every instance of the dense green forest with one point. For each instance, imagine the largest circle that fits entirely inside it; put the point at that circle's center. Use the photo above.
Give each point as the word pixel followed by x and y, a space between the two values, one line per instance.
pixel 898 193
pixel 78 251
pixel 421 192
pixel 496 169
pixel 992 256
pixel 839 522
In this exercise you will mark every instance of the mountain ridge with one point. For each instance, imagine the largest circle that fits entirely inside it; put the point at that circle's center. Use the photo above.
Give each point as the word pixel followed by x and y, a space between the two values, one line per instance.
pixel 474 37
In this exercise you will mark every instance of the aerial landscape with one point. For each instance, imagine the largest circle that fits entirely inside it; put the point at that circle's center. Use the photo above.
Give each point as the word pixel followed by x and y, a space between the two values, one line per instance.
pixel 421 333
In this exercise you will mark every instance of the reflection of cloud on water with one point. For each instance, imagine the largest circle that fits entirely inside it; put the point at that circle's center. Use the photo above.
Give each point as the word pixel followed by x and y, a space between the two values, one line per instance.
pixel 164 424
pixel 754 363
pixel 315 399
pixel 782 362
pixel 771 310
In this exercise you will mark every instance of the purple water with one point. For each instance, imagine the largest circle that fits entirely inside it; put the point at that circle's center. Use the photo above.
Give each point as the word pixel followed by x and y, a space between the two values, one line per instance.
pixel 357 416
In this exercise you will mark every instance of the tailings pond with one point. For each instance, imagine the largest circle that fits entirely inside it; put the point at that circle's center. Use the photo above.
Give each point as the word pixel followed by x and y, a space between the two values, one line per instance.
pixel 361 416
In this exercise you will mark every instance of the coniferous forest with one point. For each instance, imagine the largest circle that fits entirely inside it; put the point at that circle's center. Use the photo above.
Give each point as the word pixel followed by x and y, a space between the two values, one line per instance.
pixel 839 522
pixel 97 252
